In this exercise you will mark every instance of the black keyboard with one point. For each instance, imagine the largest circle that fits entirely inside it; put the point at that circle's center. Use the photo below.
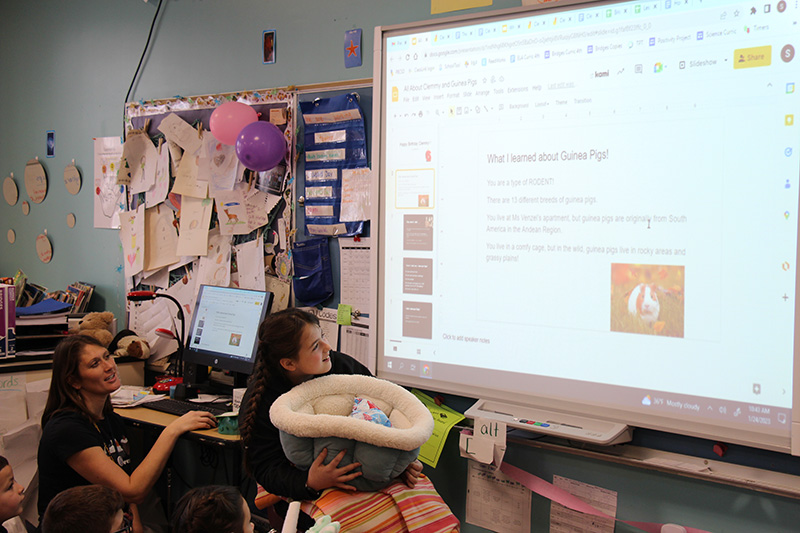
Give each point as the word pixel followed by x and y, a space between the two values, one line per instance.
pixel 181 407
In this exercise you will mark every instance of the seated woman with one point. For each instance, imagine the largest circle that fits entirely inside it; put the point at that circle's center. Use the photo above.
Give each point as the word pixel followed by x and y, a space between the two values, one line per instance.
pixel 291 351
pixel 83 440
pixel 88 509
pixel 212 509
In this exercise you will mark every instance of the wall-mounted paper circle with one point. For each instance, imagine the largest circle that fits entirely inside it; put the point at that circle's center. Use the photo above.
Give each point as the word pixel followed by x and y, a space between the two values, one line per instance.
pixel 283 267
pixel 35 181
pixel 43 248
pixel 71 220
pixel 10 191
pixel 26 207
pixel 11 236
pixel 72 179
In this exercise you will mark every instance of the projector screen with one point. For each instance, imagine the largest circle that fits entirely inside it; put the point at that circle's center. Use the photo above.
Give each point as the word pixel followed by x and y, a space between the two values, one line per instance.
pixel 592 208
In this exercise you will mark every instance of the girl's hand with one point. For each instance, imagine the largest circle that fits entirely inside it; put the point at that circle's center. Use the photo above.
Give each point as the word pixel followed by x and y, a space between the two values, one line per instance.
pixel 411 474
pixel 322 476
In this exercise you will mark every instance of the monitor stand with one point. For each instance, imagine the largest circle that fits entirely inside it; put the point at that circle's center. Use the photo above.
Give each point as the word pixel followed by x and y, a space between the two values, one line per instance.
pixel 240 380
pixel 195 375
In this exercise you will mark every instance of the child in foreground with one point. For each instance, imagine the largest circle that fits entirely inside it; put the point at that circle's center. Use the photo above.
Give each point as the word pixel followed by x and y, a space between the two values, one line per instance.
pixel 11 494
pixel 212 509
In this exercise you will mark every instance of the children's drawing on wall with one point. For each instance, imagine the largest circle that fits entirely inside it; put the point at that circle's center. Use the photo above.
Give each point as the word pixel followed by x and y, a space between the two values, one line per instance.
pixel 218 164
pixel 647 299
pixel 162 238
pixel 232 211
pixel 194 220
pixel 141 157
pixel 269 47
pixel 131 234
pixel 215 267
pixel 250 265
pixel 109 198
pixel 158 192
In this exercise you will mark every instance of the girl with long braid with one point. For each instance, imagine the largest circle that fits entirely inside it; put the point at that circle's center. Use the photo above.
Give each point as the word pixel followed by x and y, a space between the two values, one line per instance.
pixel 291 351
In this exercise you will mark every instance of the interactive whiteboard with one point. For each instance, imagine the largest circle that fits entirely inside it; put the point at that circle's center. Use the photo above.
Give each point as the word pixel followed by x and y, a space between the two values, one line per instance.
pixel 592 209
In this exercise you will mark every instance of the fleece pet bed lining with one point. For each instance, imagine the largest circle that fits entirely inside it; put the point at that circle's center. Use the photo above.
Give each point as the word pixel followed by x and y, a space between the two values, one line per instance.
pixel 315 415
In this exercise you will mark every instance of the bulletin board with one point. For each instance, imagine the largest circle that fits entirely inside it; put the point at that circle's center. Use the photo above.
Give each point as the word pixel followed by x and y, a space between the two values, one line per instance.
pixel 286 221
pixel 248 229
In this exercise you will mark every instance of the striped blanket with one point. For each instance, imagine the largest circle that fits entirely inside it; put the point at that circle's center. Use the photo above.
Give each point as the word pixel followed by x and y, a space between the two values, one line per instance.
pixel 394 509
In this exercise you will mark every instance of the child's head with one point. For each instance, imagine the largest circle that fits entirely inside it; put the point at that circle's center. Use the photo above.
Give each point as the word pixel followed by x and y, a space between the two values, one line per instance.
pixel 11 492
pixel 86 508
pixel 285 340
pixel 212 509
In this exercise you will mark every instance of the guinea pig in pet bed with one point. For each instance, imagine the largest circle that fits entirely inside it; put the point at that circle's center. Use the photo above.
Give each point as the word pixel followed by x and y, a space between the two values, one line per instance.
pixel 317 414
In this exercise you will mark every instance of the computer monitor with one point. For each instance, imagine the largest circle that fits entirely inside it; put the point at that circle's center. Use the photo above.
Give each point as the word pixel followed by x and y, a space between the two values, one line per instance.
pixel 224 330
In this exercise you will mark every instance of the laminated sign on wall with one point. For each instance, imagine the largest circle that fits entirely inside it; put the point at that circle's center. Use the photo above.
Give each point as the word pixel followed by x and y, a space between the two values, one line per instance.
pixel 335 144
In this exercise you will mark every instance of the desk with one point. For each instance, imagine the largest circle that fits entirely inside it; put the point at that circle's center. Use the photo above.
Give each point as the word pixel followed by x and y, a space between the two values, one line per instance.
pixel 140 416
pixel 190 450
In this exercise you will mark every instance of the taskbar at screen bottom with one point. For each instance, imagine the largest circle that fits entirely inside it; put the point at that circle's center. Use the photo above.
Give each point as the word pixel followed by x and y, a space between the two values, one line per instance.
pixel 758 417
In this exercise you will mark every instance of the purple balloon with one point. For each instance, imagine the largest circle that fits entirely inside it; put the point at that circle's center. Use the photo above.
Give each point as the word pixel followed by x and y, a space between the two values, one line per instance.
pixel 260 146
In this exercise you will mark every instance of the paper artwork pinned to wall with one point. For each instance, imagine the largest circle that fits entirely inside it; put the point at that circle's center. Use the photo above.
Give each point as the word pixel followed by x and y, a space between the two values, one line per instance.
pixel 352 48
pixel 109 198
pixel 179 131
pixel 185 291
pixel 280 292
pixel 195 219
pixel 50 143
pixel 132 237
pixel 218 164
pixel 259 206
pixel 283 267
pixel 250 263
pixel 215 267
pixel 186 182
pixel 158 192
pixel 35 181
pixel 232 211
pixel 141 156
pixel 268 42
pixel 162 238
pixel 355 194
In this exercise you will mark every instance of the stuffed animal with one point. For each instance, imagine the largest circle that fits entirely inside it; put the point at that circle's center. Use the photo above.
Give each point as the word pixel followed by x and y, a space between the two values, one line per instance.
pixel 129 343
pixel 96 325
pixel 133 346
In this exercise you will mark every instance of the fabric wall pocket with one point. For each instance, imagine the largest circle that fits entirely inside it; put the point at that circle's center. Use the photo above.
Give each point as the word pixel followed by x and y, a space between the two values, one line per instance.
pixel 313 278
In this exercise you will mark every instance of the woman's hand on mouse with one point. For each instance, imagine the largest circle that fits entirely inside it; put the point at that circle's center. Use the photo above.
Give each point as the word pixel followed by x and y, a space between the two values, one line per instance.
pixel 322 476
pixel 193 421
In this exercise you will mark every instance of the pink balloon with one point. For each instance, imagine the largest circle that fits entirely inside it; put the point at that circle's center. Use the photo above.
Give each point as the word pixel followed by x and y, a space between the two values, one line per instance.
pixel 228 120
pixel 260 146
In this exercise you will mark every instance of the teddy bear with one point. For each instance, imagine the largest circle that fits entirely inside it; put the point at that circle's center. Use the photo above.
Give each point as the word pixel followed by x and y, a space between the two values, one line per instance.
pixel 96 325
pixel 129 343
